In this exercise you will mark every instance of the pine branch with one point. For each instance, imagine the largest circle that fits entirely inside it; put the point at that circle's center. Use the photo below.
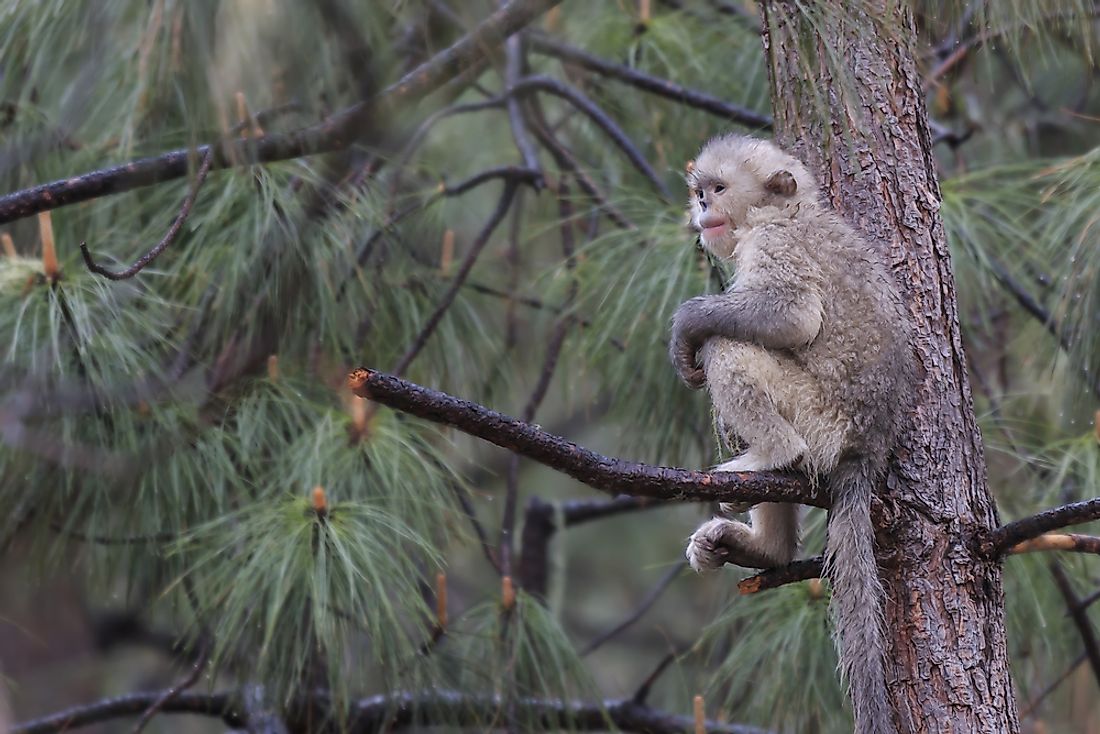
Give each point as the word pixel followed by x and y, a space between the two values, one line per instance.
pixel 611 475
pixel 169 237
pixel 458 709
pixel 335 133
pixel 1000 541
pixel 549 46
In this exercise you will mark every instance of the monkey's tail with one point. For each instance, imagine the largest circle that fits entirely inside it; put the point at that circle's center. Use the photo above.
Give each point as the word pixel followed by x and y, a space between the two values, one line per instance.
pixel 857 598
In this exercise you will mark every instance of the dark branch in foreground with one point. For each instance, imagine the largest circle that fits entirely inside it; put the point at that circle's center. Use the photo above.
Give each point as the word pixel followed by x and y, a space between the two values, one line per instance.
pixel 396 711
pixel 169 236
pixel 335 133
pixel 612 475
pixel 1001 540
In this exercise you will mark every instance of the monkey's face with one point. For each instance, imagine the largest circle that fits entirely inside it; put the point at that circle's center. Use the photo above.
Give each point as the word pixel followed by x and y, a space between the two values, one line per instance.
pixel 734 175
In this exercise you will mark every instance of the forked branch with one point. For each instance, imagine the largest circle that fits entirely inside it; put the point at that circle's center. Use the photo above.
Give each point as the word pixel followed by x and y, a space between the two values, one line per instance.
pixel 169 237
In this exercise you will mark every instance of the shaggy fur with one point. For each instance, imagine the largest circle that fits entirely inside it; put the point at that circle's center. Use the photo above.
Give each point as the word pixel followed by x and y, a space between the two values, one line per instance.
pixel 808 362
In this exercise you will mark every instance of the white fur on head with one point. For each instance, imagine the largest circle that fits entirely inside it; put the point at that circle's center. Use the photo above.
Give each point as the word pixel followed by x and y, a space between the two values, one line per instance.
pixel 734 174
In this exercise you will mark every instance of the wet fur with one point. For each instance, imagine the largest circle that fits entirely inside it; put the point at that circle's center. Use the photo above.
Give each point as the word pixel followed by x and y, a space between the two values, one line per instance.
pixel 807 359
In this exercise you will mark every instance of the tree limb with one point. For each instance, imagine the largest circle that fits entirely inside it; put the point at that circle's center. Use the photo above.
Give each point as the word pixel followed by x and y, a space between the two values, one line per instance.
pixel 611 475
pixel 396 711
pixel 999 541
pixel 221 705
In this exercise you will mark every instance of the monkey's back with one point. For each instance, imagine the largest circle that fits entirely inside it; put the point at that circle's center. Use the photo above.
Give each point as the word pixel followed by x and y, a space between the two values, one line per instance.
pixel 860 356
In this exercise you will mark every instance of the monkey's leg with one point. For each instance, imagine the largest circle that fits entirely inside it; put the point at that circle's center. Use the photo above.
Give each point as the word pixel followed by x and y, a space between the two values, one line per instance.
pixel 770 541
pixel 746 382
pixel 756 393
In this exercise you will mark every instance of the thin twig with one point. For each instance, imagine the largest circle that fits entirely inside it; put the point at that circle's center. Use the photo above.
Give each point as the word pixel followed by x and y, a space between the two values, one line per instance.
pixel 174 691
pixel 1079 616
pixel 112 539
pixel 219 705
pixel 1033 704
pixel 568 162
pixel 601 119
pixel 169 237
pixel 448 298
pixel 541 43
pixel 644 606
pixel 1070 542
pixel 617 476
pixel 513 69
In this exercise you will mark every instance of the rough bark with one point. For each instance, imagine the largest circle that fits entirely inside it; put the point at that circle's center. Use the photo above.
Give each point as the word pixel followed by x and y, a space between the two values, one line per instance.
pixel 868 139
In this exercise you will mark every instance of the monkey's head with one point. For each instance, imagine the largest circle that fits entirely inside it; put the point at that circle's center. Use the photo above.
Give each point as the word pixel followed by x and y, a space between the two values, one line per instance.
pixel 734 175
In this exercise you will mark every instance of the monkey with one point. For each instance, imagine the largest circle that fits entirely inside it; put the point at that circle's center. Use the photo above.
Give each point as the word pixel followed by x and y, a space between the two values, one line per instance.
pixel 807 358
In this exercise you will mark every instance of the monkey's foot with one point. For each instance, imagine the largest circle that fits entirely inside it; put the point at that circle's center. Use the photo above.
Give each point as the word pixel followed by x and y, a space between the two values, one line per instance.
pixel 719 541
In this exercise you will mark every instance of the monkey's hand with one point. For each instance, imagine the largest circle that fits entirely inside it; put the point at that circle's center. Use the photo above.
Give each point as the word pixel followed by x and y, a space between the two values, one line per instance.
pixel 689 333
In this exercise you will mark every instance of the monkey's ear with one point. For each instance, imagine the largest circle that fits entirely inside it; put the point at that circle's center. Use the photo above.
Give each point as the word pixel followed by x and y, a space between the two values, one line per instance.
pixel 781 182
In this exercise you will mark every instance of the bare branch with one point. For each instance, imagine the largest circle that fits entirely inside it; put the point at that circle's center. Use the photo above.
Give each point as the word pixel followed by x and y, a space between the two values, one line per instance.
pixel 568 162
pixel 616 476
pixel 644 606
pixel 601 119
pixel 513 69
pixel 397 711
pixel 549 46
pixel 804 570
pixel 402 709
pixel 1080 617
pixel 220 705
pixel 540 524
pixel 173 692
pixel 812 568
pixel 169 236
pixel 460 277
pixel 999 541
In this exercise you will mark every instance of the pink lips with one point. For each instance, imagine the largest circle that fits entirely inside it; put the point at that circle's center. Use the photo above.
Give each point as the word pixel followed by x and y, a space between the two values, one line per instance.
pixel 712 232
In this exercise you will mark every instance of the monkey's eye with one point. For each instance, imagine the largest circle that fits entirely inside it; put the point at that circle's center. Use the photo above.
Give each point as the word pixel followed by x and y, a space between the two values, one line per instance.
pixel 699 193
pixel 719 188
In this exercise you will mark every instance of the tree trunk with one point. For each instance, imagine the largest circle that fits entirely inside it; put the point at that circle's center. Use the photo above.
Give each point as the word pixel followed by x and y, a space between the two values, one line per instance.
pixel 868 140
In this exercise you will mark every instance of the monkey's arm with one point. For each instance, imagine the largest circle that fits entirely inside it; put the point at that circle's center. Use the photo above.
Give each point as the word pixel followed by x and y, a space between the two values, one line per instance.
pixel 775 316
